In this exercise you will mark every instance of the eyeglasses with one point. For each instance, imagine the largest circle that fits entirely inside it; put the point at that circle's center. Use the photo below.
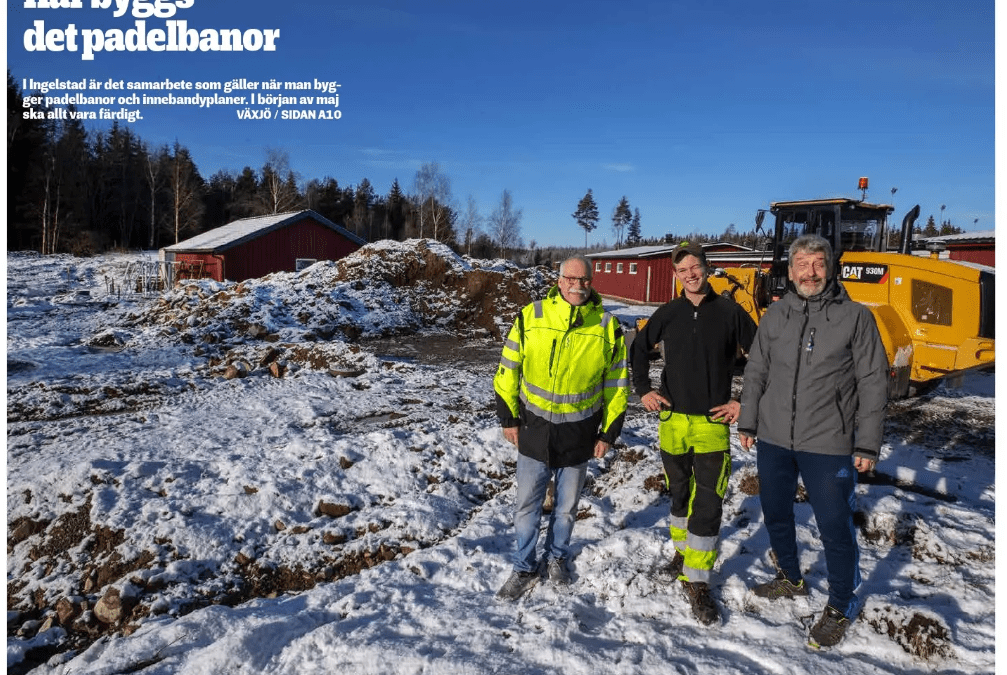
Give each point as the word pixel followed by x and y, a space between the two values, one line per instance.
pixel 572 280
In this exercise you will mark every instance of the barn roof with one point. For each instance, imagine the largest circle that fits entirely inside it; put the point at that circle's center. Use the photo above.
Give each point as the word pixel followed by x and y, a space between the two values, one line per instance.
pixel 650 251
pixel 636 252
pixel 240 231
pixel 984 237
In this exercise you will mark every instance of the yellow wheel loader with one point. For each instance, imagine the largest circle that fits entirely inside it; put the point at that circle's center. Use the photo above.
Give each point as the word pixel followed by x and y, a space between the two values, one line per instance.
pixel 935 315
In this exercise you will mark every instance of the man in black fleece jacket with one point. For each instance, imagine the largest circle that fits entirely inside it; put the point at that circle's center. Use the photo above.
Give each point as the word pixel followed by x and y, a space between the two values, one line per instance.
pixel 702 333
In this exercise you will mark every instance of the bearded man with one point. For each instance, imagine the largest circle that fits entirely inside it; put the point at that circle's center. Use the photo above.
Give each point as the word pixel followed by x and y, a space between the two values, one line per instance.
pixel 814 395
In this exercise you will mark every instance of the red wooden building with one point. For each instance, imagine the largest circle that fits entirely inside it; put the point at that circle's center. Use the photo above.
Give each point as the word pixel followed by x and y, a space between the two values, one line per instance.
pixel 644 273
pixel 973 247
pixel 254 247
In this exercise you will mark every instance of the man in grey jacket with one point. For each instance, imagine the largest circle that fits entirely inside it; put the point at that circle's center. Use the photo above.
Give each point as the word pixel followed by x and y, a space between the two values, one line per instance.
pixel 814 394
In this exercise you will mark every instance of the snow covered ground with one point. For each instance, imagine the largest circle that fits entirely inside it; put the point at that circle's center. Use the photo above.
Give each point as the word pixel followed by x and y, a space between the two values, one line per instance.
pixel 353 515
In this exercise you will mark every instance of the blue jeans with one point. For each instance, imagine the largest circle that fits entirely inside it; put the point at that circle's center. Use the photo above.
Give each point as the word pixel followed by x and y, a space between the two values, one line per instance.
pixel 830 481
pixel 532 482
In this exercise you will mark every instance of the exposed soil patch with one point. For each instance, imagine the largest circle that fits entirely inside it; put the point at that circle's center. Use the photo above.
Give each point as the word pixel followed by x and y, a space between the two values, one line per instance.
pixel 918 634
pixel 480 354
pixel 947 430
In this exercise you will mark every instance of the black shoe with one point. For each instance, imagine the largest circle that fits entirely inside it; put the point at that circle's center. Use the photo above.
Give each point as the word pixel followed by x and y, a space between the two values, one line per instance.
pixel 780 587
pixel 517 585
pixel 703 606
pixel 829 630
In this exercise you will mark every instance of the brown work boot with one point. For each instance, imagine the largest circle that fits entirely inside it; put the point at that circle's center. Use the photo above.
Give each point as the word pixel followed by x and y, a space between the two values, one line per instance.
pixel 829 630
pixel 672 569
pixel 780 587
pixel 704 608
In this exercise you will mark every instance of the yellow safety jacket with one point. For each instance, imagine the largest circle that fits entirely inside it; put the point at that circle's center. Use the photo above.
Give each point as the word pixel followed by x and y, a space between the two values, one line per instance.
pixel 563 378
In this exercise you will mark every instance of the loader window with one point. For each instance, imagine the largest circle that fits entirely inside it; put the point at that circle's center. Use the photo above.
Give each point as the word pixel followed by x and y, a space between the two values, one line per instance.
pixel 797 223
pixel 793 225
pixel 931 303
pixel 859 235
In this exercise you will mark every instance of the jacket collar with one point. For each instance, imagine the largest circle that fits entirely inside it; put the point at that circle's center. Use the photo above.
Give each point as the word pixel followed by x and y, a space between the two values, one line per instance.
pixel 593 300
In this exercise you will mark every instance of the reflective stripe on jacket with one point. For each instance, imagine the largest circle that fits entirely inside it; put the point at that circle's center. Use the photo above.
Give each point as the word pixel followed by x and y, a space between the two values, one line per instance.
pixel 563 377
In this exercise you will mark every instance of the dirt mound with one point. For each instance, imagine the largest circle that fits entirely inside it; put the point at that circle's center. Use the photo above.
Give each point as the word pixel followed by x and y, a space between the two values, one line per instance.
pixel 445 289
pixel 384 289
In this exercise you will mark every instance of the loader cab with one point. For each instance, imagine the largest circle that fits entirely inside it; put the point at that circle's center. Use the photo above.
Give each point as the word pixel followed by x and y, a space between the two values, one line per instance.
pixel 848 224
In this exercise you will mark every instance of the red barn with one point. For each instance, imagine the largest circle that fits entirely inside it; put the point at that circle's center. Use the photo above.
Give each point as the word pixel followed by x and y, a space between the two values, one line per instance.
pixel 973 247
pixel 644 273
pixel 254 247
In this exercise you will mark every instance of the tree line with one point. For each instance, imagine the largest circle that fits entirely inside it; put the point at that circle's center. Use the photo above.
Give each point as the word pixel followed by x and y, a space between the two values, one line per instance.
pixel 84 192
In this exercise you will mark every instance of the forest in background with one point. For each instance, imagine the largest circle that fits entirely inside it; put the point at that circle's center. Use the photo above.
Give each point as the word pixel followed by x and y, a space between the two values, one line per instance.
pixel 71 190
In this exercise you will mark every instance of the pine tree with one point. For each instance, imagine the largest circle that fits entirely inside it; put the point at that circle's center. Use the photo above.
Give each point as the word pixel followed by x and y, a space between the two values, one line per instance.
pixel 363 199
pixel 931 228
pixel 396 217
pixel 947 228
pixel 621 217
pixel 633 232
pixel 586 214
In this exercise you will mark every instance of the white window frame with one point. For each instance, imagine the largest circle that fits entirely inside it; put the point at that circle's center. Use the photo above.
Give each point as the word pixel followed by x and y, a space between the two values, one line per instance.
pixel 608 267
pixel 632 268
pixel 618 268
pixel 597 266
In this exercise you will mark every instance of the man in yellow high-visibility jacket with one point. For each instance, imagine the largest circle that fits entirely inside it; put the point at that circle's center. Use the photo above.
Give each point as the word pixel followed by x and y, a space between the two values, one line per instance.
pixel 561 390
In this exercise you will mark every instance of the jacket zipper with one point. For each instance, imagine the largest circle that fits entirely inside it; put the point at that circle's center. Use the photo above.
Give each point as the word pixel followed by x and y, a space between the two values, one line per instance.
pixel 797 374
pixel 552 383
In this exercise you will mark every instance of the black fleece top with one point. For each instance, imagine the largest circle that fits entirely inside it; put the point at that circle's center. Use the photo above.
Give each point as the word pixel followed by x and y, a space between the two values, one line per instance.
pixel 700 348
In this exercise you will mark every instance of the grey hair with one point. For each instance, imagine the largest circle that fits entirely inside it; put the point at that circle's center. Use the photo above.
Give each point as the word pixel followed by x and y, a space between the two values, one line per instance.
pixel 812 243
pixel 587 264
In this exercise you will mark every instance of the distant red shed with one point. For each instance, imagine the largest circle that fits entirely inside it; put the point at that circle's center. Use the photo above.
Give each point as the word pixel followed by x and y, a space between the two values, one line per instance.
pixel 973 247
pixel 644 273
pixel 254 247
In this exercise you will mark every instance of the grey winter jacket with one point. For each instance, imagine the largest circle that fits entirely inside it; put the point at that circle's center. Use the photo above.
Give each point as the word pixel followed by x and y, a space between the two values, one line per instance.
pixel 816 379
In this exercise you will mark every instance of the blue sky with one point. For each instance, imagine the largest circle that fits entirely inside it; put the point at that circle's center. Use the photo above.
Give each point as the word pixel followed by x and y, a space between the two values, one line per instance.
pixel 700 113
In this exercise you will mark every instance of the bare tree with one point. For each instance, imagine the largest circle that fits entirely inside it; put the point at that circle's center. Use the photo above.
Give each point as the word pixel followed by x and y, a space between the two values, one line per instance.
pixel 153 168
pixel 52 183
pixel 505 224
pixel 186 188
pixel 471 224
pixel 433 193
pixel 279 183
